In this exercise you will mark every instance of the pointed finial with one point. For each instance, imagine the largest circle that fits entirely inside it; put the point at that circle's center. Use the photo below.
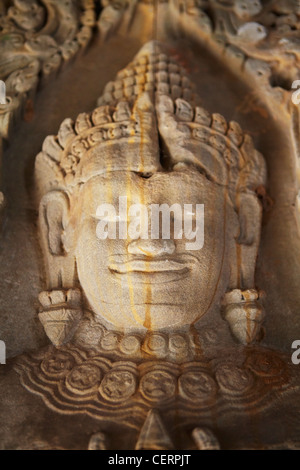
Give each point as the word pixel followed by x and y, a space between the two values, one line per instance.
pixel 205 439
pixel 153 435
pixel 60 325
pixel 97 442
pixel 61 314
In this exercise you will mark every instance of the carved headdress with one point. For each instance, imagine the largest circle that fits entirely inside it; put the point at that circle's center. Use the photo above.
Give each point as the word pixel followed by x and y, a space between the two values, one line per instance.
pixel 151 96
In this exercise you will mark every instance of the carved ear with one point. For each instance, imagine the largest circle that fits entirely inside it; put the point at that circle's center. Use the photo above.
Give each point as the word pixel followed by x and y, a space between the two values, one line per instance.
pixel 54 209
pixel 247 243
pixel 242 308
pixel 59 260
pixel 249 213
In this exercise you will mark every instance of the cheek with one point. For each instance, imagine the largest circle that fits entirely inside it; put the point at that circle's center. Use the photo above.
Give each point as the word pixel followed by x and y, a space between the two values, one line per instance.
pixel 88 247
pixel 91 253
pixel 86 235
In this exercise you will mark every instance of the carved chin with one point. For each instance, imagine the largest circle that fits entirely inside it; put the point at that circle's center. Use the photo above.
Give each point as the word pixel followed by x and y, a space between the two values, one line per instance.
pixel 170 294
pixel 152 317
pixel 138 304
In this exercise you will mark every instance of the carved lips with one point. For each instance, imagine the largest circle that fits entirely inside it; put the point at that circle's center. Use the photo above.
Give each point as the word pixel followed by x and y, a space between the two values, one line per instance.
pixel 172 267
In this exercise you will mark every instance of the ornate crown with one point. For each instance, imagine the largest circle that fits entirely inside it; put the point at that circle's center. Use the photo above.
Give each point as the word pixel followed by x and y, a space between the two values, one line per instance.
pixel 152 94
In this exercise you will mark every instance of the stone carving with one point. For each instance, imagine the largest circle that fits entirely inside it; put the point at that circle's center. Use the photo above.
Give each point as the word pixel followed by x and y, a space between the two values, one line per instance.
pixel 250 33
pixel 97 442
pixel 205 439
pixel 37 39
pixel 75 380
pixel 153 434
pixel 258 40
pixel 197 145
pixel 61 314
pixel 197 385
pixel 135 361
pixel 260 43
pixel 112 15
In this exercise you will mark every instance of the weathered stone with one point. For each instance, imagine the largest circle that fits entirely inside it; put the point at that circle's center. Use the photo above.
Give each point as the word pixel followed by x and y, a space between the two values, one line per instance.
pixel 156 343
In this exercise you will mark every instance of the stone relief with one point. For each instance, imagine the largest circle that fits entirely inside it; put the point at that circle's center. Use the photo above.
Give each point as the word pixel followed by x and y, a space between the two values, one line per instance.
pixel 154 346
pixel 195 142
pixel 258 40
pixel 36 40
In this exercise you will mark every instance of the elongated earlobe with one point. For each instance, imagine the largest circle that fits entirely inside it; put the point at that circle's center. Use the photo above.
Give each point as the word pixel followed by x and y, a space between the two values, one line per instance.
pixel 59 259
pixel 61 310
pixel 244 313
pixel 54 214
pixel 242 307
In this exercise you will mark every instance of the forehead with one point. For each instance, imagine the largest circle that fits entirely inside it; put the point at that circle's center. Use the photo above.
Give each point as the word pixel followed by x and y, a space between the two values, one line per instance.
pixel 182 186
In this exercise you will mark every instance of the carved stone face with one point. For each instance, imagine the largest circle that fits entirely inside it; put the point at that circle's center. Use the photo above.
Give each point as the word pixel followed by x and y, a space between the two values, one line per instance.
pixel 149 283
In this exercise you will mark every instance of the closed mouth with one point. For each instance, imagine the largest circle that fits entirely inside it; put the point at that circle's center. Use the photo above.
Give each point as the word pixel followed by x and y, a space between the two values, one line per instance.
pixel 150 266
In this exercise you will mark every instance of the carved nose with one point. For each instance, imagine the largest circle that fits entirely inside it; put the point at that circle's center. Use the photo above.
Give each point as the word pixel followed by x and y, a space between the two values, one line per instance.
pixel 151 247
